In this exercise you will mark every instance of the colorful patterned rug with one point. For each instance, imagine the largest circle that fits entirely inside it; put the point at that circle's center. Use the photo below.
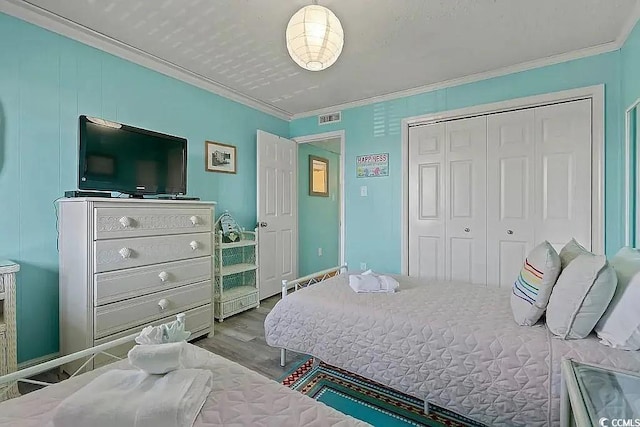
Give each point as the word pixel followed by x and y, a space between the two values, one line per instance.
pixel 366 400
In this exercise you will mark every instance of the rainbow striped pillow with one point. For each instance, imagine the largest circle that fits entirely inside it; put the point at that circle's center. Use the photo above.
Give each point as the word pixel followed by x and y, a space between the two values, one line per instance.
pixel 532 288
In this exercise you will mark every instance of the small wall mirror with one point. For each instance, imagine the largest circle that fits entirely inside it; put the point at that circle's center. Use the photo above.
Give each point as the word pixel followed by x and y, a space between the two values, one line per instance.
pixel 632 167
pixel 318 176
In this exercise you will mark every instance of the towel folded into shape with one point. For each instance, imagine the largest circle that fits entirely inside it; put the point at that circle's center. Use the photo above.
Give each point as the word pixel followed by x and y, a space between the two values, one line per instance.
pixel 157 358
pixel 134 398
pixel 369 282
pixel 165 333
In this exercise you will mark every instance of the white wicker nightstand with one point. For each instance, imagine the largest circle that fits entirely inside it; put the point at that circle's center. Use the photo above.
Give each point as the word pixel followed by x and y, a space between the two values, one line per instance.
pixel 8 338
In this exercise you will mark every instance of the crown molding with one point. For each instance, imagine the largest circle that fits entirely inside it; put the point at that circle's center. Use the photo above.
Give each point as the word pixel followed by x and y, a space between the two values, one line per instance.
pixel 629 26
pixel 60 25
pixel 524 66
pixel 65 27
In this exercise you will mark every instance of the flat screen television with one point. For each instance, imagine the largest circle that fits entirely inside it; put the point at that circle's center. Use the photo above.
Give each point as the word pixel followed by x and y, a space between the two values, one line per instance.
pixel 126 159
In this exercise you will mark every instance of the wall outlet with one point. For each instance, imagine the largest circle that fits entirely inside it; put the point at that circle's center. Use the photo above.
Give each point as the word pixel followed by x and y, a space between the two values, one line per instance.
pixel 363 266
pixel 363 191
pixel 319 251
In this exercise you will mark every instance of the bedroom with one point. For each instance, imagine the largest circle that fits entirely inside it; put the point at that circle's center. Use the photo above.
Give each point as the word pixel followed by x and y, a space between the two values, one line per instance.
pixel 52 72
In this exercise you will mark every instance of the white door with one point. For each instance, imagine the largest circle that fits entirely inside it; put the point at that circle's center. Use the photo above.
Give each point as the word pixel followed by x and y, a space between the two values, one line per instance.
pixel 510 192
pixel 563 173
pixel 465 200
pixel 426 201
pixel 277 212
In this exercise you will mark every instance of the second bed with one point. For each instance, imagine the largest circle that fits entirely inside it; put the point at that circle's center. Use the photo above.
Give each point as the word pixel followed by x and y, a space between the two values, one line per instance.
pixel 454 345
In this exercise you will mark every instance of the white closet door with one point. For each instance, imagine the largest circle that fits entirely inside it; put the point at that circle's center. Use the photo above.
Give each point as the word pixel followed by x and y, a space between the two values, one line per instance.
pixel 465 200
pixel 426 201
pixel 510 192
pixel 563 173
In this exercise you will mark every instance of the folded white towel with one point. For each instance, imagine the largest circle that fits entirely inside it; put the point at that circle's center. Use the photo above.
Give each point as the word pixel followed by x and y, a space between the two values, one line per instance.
pixel 165 333
pixel 157 358
pixel 134 398
pixel 369 282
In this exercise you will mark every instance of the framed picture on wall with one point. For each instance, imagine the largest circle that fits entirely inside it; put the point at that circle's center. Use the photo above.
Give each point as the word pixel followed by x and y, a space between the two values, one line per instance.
pixel 318 176
pixel 220 157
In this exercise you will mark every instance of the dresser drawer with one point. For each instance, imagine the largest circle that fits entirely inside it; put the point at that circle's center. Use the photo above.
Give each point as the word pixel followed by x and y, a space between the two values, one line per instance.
pixel 116 317
pixel 119 285
pixel 126 253
pixel 119 222
pixel 196 321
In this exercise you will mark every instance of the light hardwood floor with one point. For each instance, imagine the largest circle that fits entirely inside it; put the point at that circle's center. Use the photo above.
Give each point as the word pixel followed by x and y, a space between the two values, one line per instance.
pixel 241 338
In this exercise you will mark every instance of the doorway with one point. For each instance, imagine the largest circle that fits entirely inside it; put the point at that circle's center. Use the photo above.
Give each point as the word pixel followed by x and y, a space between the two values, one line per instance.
pixel 320 213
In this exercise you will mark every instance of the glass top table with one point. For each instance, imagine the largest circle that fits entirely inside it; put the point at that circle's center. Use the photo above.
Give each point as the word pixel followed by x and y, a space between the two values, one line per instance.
pixel 598 395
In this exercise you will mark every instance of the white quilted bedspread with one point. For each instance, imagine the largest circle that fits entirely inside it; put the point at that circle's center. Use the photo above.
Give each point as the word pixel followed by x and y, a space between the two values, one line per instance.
pixel 240 397
pixel 453 344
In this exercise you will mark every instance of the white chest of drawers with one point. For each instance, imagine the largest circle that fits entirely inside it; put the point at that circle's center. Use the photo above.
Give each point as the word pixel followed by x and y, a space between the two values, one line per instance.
pixel 129 263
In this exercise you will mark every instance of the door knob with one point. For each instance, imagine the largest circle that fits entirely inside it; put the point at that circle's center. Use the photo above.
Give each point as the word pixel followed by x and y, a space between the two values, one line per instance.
pixel 262 224
pixel 509 231
pixel 466 230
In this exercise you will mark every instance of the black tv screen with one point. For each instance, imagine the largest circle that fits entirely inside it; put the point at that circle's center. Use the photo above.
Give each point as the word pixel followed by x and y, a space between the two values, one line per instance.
pixel 126 159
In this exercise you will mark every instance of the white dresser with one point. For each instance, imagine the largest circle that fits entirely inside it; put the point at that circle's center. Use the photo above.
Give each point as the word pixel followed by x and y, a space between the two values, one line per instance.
pixel 128 263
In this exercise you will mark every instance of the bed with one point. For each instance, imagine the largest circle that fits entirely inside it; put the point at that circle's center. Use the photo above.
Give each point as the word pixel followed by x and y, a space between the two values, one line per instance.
pixel 454 345
pixel 239 397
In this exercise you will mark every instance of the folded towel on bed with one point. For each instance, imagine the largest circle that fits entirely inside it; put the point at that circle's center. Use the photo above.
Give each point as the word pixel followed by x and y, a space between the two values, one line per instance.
pixel 134 398
pixel 157 358
pixel 369 282
pixel 165 333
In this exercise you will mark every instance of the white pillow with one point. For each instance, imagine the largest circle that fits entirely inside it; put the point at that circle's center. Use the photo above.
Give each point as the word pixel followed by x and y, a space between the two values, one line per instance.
pixel 532 288
pixel 619 327
pixel 582 293
pixel 571 251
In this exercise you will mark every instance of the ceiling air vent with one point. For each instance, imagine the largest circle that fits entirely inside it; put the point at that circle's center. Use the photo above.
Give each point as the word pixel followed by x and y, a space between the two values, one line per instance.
pixel 329 118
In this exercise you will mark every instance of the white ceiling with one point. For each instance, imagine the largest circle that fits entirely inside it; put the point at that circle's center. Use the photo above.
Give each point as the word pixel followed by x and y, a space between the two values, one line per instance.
pixel 390 45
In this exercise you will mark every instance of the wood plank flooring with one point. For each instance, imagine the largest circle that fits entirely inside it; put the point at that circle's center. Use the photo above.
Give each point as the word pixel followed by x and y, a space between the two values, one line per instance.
pixel 241 338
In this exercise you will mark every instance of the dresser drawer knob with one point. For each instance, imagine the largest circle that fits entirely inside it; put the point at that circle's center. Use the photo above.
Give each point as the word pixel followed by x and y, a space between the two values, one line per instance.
pixel 125 253
pixel 163 276
pixel 125 221
pixel 194 245
pixel 163 304
pixel 195 220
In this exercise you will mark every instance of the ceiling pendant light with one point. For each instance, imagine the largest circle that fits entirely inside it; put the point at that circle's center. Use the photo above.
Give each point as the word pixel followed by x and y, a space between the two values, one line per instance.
pixel 314 37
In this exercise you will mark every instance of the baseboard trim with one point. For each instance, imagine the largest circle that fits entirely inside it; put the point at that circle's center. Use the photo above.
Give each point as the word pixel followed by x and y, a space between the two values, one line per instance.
pixel 38 360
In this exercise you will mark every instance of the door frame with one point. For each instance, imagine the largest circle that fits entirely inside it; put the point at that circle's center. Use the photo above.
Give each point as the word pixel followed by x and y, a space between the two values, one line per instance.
pixel 595 93
pixel 320 137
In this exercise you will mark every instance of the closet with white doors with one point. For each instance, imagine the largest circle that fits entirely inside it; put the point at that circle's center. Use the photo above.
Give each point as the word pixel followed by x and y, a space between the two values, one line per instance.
pixel 484 190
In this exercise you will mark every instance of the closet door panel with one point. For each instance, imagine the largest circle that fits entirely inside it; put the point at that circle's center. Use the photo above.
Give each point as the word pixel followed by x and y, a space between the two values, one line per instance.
pixel 426 201
pixel 563 173
pixel 510 193
pixel 465 200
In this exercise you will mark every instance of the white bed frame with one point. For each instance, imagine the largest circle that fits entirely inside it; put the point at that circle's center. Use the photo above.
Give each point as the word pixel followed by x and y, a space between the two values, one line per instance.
pixel 10 380
pixel 303 282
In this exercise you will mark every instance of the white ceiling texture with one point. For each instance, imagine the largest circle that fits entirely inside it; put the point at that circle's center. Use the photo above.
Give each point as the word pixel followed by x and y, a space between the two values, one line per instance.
pixel 237 47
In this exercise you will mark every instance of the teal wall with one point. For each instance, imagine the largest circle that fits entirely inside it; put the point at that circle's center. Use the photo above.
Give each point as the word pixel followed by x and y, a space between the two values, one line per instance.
pixel 630 71
pixel 373 223
pixel 318 217
pixel 630 68
pixel 46 81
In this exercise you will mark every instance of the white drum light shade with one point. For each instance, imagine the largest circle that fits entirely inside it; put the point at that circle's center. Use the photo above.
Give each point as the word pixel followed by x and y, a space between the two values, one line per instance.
pixel 314 37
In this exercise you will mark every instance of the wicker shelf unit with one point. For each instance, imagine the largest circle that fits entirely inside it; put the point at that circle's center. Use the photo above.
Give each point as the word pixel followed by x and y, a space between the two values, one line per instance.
pixel 236 286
